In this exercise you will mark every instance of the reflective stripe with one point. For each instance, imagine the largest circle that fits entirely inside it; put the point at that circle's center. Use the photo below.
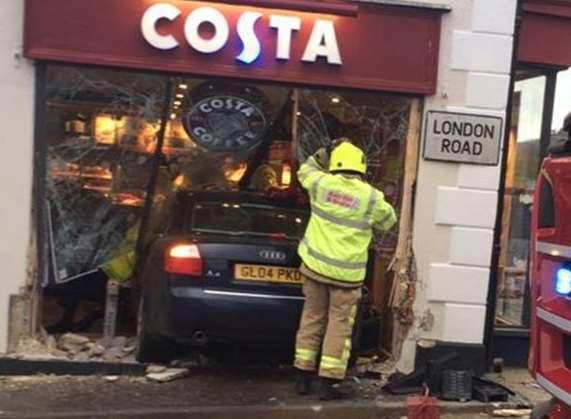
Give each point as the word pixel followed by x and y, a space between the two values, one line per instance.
pixel 384 220
pixel 311 166
pixel 334 262
pixel 553 249
pixel 305 354
pixel 371 205
pixel 315 186
pixel 330 362
pixel 346 351
pixel 360 225
pixel 554 389
pixel 554 320
pixel 353 315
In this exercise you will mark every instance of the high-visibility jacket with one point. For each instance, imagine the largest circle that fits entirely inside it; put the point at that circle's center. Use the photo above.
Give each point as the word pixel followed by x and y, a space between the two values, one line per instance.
pixel 120 264
pixel 344 212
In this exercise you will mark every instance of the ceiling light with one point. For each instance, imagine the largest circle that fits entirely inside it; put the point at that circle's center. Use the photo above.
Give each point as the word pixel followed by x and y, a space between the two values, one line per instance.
pixel 183 86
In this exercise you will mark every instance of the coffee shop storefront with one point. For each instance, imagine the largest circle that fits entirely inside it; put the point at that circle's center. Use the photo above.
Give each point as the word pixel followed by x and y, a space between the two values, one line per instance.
pixel 137 98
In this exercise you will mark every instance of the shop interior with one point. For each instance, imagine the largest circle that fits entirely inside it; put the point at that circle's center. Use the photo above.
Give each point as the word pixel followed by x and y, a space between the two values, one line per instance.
pixel 119 143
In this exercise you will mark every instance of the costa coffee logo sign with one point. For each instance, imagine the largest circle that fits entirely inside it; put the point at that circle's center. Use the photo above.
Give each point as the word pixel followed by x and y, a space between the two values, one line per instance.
pixel 225 123
pixel 222 119
pixel 322 41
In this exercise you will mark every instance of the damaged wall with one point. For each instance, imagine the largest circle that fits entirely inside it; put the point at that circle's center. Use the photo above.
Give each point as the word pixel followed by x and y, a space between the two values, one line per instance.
pixel 456 204
pixel 16 158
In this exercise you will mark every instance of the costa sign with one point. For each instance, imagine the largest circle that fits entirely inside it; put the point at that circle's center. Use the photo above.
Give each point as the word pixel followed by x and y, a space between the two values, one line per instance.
pixel 322 42
pixel 304 41
pixel 227 117
pixel 225 123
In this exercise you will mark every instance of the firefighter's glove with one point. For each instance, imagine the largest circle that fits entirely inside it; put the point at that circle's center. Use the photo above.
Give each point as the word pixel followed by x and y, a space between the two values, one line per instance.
pixel 321 156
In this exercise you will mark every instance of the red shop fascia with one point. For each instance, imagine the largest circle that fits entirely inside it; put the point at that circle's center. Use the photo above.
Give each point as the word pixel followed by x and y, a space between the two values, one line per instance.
pixel 336 44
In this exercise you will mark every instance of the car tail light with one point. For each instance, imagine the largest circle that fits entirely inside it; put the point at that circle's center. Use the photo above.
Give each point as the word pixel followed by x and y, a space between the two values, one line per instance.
pixel 183 259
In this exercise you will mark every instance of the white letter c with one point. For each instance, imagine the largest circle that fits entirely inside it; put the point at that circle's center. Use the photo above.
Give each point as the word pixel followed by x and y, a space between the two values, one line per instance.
pixel 149 25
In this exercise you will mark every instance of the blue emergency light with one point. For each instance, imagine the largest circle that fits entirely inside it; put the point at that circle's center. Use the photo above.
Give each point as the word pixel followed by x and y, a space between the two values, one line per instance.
pixel 563 281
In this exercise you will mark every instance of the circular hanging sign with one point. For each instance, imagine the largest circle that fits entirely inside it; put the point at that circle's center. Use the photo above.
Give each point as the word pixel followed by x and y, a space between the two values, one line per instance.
pixel 226 120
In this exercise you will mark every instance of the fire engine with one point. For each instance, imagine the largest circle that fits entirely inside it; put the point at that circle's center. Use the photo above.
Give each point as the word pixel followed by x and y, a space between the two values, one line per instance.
pixel 550 340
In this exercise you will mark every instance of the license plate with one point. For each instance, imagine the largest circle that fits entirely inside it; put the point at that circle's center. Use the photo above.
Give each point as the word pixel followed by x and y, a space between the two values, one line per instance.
pixel 263 273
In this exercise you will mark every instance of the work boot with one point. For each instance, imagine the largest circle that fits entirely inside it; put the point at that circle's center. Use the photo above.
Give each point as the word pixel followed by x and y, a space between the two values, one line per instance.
pixel 303 382
pixel 332 389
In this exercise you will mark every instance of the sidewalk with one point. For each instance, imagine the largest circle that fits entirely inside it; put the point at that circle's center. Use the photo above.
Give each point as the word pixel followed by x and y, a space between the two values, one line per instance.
pixel 208 393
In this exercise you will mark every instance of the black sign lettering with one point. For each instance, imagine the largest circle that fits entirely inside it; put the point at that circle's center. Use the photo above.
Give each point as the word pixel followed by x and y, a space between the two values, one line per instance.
pixel 459 137
pixel 445 145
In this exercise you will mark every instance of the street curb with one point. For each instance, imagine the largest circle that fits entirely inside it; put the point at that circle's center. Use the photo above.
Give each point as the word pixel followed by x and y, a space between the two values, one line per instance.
pixel 11 366
pixel 330 410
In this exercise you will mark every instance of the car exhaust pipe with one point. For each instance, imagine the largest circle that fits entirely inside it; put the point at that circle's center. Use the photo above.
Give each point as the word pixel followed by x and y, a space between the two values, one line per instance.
pixel 199 337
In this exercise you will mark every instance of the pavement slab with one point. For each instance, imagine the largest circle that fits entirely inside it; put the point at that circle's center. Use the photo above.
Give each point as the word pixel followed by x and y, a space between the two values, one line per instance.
pixel 216 393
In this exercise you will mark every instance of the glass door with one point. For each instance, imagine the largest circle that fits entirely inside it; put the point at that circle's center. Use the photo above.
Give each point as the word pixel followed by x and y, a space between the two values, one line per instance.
pixel 523 163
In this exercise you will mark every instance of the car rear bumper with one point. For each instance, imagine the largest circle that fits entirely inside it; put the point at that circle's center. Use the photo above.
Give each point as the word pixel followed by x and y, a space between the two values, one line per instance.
pixel 229 316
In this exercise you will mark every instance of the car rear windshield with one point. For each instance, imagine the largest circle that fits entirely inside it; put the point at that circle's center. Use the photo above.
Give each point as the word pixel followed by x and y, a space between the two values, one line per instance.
pixel 248 220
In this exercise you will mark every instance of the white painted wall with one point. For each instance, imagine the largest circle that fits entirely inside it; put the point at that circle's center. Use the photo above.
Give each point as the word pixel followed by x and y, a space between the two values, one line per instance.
pixel 16 158
pixel 456 204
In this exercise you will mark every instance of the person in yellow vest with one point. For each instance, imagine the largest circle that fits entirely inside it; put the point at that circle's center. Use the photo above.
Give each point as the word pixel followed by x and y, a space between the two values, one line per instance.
pixel 120 264
pixel 334 251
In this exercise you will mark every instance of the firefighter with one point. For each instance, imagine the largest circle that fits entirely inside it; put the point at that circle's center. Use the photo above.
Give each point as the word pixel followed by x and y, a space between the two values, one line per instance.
pixel 334 251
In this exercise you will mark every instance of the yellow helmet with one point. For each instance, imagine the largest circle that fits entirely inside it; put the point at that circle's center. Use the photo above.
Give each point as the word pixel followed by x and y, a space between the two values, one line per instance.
pixel 347 157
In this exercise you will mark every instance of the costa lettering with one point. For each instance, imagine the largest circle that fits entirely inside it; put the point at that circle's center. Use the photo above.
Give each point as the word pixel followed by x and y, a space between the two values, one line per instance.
pixel 322 41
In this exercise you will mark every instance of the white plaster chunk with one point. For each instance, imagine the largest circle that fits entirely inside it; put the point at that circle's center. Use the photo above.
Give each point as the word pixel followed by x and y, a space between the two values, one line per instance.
pixel 465 207
pixel 487 90
pixel 463 323
pixel 470 246
pixel 479 177
pixel 457 284
pixel 473 51
pixel 495 16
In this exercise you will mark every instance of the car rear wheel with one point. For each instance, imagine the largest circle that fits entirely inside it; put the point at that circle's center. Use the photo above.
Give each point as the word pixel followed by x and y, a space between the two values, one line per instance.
pixel 151 348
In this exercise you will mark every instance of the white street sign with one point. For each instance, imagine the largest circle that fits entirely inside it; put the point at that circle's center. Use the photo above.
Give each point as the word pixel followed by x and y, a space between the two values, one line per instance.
pixel 462 138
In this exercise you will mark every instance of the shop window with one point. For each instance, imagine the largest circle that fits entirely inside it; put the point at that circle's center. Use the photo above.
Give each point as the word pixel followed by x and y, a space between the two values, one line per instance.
pixel 521 173
pixel 103 129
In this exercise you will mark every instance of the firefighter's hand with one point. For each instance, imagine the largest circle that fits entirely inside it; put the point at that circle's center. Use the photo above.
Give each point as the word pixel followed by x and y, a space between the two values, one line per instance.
pixel 338 141
pixel 322 157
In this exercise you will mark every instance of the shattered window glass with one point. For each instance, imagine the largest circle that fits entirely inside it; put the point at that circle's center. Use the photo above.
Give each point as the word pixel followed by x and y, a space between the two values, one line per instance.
pixel 103 129
pixel 237 134
pixel 377 123
pixel 101 133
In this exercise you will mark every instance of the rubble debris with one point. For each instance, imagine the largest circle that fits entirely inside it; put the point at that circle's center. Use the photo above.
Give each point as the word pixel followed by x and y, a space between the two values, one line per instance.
pixel 96 350
pixel 114 353
pixel 170 374
pixel 155 369
pixel 129 349
pixel 119 342
pixel 73 340
pixel 76 347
